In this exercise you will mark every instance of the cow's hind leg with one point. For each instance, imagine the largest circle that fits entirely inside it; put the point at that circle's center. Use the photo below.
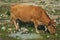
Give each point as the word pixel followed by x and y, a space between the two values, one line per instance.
pixel 16 25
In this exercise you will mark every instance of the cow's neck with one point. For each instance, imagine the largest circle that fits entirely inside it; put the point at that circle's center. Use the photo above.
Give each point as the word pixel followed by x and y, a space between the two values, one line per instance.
pixel 45 18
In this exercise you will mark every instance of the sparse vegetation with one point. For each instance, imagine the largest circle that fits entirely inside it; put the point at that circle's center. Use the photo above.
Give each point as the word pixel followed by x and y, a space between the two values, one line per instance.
pixel 52 7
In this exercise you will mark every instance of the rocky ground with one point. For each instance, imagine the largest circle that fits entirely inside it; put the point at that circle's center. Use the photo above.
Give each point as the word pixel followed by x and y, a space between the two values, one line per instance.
pixel 7 31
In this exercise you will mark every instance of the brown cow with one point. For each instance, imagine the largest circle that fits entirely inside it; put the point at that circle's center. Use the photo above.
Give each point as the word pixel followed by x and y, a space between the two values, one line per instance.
pixel 35 14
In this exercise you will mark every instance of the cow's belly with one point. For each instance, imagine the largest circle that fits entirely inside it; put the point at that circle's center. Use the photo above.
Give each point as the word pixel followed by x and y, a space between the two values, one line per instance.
pixel 25 19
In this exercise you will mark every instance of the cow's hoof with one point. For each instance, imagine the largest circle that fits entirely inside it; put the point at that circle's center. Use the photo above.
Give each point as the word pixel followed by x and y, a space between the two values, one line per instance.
pixel 37 32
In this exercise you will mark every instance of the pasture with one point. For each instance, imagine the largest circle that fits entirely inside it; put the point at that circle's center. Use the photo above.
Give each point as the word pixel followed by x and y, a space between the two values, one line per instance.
pixel 7 30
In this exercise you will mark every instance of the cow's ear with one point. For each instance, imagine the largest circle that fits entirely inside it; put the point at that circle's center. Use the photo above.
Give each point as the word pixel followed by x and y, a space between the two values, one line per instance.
pixel 54 21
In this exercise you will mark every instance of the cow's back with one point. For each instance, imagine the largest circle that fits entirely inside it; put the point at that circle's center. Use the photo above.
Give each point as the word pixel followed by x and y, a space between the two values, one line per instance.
pixel 26 12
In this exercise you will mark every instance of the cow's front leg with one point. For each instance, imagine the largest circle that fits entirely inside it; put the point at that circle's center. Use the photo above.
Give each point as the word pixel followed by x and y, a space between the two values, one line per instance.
pixel 36 26
pixel 45 28
pixel 16 25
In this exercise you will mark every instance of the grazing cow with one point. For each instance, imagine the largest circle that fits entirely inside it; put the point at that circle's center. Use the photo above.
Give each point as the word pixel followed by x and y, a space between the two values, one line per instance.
pixel 30 13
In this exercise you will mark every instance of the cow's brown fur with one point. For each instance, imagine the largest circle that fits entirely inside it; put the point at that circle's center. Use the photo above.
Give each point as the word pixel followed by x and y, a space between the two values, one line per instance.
pixel 31 13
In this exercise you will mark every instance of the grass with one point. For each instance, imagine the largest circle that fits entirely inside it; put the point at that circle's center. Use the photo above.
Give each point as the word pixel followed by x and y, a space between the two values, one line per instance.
pixel 6 28
pixel 46 36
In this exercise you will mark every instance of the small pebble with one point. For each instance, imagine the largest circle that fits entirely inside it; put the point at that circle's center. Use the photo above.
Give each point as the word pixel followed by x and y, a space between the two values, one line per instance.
pixel 56 34
pixel 1 15
pixel 3 28
pixel 19 30
pixel 14 31
pixel 24 29
pixel 32 30
pixel 48 36
pixel 9 29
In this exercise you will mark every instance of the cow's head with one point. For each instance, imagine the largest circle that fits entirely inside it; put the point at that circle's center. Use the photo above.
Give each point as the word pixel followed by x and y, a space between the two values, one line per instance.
pixel 51 27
